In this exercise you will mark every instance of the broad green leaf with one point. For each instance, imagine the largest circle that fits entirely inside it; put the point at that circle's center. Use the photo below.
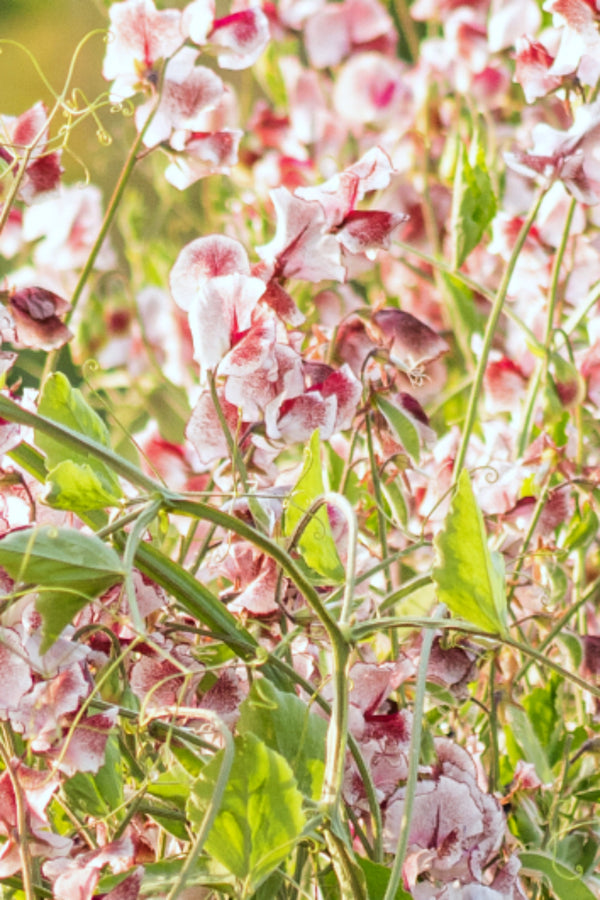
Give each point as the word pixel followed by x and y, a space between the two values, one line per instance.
pixel 317 544
pixel 169 405
pixel 260 818
pixel 58 609
pixel 473 202
pixel 79 488
pixel 525 736
pixel 64 404
pixel 469 578
pixel 172 785
pixel 377 878
pixel 542 705
pixel 286 724
pixel 75 567
pixel 61 558
pixel 401 425
pixel 565 883
pixel 583 529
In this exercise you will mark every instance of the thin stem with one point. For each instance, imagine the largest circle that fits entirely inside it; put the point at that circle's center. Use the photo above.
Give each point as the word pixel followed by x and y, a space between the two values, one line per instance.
pixel 134 538
pixel 366 629
pixel 14 188
pixel 413 767
pixel 490 331
pixel 214 805
pixel 541 370
pixel 110 212
pixel 237 461
pixel 22 836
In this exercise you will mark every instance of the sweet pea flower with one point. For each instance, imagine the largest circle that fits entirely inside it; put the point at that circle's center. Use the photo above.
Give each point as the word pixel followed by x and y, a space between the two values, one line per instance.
pixel 211 280
pixel 337 29
pixel 570 156
pixel 240 38
pixel 532 69
pixel 579 50
pixel 139 37
pixel 29 133
pixel 188 91
pixel 456 828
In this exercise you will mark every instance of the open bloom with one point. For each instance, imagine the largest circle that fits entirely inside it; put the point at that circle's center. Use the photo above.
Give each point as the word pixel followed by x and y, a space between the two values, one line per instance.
pixel 579 49
pixel 139 37
pixel 29 133
pixel 571 156
pixel 456 828
pixel 188 91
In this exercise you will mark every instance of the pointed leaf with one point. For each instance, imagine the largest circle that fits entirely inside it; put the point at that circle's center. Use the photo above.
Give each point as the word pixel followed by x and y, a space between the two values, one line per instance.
pixel 64 404
pixel 316 543
pixel 473 202
pixel 469 578
pixel 75 566
pixel 566 883
pixel 402 427
pixel 60 557
pixel 80 487
pixel 260 818
pixel 286 724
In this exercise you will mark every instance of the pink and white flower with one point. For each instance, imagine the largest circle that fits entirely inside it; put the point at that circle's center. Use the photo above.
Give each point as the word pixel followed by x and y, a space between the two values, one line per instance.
pixel 139 37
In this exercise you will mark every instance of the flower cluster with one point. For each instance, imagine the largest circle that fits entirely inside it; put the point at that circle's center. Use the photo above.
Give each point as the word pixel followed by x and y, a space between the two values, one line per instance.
pixel 299 482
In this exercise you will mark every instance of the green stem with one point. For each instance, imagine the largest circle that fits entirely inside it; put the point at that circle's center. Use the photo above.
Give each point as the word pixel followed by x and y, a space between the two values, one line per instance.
pixel 213 807
pixel 22 830
pixel 110 212
pixel 585 597
pixel 134 539
pixel 14 188
pixel 541 370
pixel 366 629
pixel 414 758
pixel 490 331
pixel 237 461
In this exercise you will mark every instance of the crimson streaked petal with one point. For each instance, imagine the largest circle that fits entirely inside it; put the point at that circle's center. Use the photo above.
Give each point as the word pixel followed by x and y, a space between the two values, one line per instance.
pixel 240 38
pixel 204 258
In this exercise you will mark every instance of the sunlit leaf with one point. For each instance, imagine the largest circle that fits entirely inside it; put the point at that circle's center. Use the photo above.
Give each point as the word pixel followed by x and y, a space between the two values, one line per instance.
pixel 60 557
pixel 260 818
pixel 401 425
pixel 63 404
pixel 286 724
pixel 377 877
pixel 74 566
pixel 468 576
pixel 79 488
pixel 316 543
pixel 473 202
pixel 565 883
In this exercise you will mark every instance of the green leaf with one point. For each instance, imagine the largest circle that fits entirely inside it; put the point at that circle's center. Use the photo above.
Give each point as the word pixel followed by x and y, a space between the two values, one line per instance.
pixel 473 202
pixel 75 566
pixel 260 818
pixel 532 749
pixel 79 488
pixel 286 724
pixel 316 543
pixel 377 878
pixel 66 405
pixel 583 529
pixel 564 882
pixel 60 557
pixel 469 578
pixel 405 430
